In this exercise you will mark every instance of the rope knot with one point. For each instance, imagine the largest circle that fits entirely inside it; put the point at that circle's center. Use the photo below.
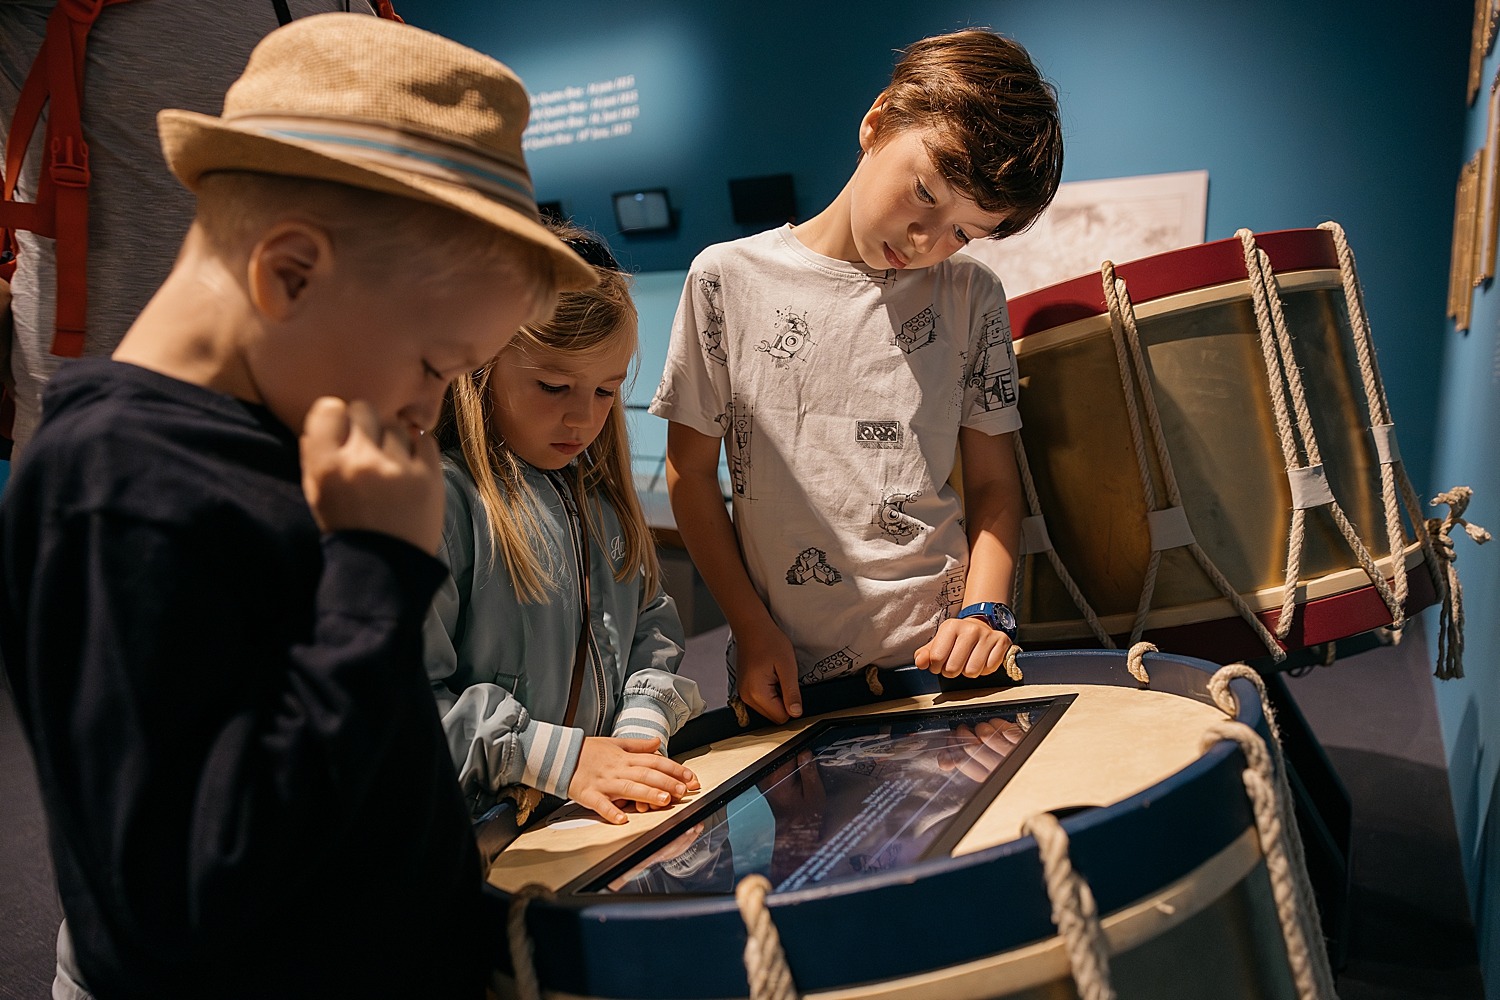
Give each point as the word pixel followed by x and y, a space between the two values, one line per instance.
pixel 1135 661
pixel 1012 668
pixel 741 715
pixel 1451 618
pixel 1441 529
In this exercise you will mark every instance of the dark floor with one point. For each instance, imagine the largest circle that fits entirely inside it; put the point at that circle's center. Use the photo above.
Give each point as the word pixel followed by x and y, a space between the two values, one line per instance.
pixel 1410 937
pixel 1410 931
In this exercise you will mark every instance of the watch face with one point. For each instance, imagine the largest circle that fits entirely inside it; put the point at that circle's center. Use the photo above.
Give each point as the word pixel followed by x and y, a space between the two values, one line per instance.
pixel 1004 619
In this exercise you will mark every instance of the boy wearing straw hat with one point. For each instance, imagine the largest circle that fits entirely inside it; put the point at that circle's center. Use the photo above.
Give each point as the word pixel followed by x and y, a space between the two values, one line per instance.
pixel 217 551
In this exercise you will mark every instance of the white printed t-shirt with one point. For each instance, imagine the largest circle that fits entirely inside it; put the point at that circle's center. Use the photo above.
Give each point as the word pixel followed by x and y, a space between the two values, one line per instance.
pixel 840 391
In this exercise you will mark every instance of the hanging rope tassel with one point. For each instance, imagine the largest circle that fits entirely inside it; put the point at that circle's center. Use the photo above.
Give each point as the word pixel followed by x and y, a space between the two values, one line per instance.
pixel 1276 825
pixel 1073 909
pixel 765 963
pixel 1450 658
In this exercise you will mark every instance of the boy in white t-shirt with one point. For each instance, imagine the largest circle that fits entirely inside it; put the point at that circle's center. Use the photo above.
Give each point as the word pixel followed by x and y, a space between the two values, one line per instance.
pixel 844 362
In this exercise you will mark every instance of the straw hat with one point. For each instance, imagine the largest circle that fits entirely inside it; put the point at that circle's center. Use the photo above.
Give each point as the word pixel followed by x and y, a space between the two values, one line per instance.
pixel 378 105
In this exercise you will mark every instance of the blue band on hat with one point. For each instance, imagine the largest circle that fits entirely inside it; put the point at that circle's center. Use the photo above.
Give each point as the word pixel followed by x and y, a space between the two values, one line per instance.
pixel 405 152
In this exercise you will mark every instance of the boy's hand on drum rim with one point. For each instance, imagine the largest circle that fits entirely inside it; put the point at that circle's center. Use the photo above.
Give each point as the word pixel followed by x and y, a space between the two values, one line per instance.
pixel 766 671
pixel 963 647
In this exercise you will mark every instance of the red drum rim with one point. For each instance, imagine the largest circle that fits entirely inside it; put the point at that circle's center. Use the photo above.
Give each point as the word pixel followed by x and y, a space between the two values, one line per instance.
pixel 1169 273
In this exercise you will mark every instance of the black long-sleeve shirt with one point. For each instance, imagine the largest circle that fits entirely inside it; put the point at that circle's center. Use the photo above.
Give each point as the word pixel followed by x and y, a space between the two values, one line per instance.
pixel 246 783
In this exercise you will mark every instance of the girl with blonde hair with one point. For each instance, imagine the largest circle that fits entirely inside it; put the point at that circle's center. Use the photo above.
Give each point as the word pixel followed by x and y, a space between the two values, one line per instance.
pixel 552 648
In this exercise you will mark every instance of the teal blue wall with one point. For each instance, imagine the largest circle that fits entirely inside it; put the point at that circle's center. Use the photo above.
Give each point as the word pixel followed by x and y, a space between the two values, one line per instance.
pixel 1467 409
pixel 1300 112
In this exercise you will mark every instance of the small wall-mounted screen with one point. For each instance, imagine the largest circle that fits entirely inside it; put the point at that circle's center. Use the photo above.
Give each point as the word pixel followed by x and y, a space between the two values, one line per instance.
pixel 846 797
pixel 644 211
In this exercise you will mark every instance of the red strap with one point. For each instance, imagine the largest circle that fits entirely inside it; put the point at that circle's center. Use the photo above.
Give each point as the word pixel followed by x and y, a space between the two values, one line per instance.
pixel 68 169
pixel 61 207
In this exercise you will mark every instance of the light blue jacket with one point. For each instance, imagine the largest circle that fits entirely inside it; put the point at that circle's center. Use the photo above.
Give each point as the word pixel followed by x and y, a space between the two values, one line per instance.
pixel 500 668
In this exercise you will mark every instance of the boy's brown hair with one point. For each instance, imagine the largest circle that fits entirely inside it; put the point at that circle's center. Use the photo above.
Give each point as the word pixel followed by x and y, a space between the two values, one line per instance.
pixel 996 129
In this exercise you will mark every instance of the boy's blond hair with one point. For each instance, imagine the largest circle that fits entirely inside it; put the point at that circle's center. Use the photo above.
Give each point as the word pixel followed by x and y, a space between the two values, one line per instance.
pixel 584 323
pixel 387 236
pixel 996 128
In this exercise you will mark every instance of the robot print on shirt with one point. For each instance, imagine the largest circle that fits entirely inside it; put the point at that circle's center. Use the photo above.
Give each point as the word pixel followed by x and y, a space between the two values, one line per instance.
pixel 917 332
pixel 812 564
pixel 879 433
pixel 891 517
pixel 739 425
pixel 833 665
pixel 792 336
pixel 950 596
pixel 994 371
pixel 713 334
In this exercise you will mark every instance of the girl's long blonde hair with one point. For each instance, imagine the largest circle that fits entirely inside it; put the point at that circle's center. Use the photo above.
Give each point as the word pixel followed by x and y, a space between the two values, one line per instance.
pixel 584 322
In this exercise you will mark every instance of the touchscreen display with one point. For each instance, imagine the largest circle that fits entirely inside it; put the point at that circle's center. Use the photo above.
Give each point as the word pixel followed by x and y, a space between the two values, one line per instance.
pixel 845 797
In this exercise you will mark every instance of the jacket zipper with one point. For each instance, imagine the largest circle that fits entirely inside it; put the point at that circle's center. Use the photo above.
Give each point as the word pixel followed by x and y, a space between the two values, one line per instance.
pixel 580 568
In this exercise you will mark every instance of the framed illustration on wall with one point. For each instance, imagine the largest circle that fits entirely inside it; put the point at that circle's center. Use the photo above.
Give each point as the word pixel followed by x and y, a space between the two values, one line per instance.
pixel 1486 13
pixel 1465 231
pixel 1488 208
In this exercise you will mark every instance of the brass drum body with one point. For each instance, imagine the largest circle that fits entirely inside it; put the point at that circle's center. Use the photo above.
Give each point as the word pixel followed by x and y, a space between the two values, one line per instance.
pixel 1206 370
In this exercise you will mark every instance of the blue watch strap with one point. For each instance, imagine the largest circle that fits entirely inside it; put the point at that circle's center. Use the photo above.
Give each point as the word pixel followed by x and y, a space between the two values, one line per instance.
pixel 995 614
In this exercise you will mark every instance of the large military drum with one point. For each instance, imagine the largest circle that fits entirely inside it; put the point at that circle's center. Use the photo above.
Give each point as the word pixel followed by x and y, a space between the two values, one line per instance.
pixel 892 833
pixel 1210 459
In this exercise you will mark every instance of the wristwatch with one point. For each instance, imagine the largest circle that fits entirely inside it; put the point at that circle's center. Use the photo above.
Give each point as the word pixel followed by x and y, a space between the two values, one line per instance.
pixel 996 615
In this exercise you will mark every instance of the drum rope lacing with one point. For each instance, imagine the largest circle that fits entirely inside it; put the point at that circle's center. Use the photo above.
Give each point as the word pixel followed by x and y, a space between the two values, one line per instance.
pixel 1168 525
pixel 1271 803
pixel 522 962
pixel 1304 472
pixel 1433 534
pixel 1035 540
pixel 1382 426
pixel 766 970
pixel 1074 910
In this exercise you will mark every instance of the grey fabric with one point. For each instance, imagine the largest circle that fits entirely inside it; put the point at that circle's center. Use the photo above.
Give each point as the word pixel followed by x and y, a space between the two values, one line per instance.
pixel 142 57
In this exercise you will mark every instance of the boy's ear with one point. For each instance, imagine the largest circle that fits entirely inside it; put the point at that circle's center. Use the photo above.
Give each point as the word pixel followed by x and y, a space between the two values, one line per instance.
pixel 869 123
pixel 285 263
